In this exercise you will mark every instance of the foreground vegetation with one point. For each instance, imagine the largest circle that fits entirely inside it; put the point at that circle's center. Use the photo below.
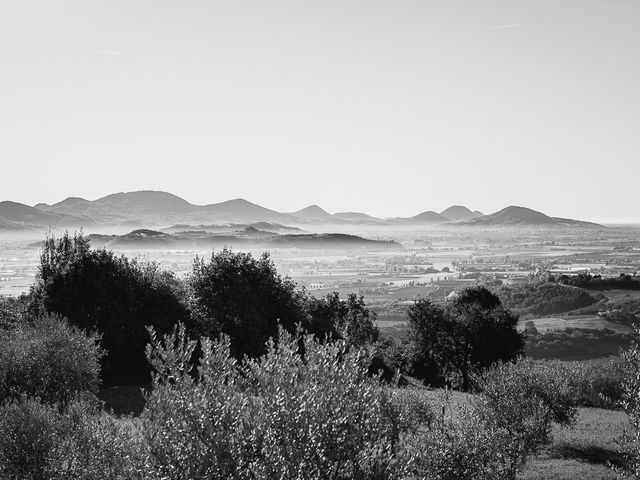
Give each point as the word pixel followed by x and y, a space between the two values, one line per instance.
pixel 250 378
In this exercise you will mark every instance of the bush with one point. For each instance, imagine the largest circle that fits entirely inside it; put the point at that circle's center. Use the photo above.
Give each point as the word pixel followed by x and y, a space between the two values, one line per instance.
pixel 12 310
pixel 595 384
pixel 545 298
pixel 47 359
pixel 98 446
pixel 576 343
pixel 630 443
pixel 100 292
pixel 42 442
pixel 456 445
pixel 279 416
pixel 492 436
pixel 30 433
pixel 520 402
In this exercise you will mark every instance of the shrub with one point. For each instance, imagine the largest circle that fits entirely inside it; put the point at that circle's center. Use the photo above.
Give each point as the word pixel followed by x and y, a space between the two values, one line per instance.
pixel 98 446
pixel 97 291
pixel 30 433
pixel 630 443
pixel 492 436
pixel 283 415
pixel 43 442
pixel 47 359
pixel 456 445
pixel 12 310
pixel 520 402
pixel 545 298
pixel 576 343
pixel 594 384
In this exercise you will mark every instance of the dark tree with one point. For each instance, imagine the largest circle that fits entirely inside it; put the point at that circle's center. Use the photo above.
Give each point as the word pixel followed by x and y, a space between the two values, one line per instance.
pixel 100 292
pixel 349 319
pixel 467 335
pixel 245 298
pixel 429 339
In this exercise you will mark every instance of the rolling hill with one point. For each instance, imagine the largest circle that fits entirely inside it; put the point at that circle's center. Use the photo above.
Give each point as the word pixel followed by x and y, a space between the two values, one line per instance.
pixel 522 216
pixel 357 217
pixel 157 210
pixel 240 210
pixel 458 213
pixel 146 202
pixel 428 217
pixel 248 237
pixel 313 213
pixel 19 215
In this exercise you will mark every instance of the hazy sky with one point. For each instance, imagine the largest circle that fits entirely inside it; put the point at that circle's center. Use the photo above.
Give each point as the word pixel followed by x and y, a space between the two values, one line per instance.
pixel 390 107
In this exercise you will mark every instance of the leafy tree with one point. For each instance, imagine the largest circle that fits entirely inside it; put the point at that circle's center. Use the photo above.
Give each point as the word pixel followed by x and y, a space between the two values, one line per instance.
pixel 97 291
pixel 429 341
pixel 467 335
pixel 349 319
pixel 244 298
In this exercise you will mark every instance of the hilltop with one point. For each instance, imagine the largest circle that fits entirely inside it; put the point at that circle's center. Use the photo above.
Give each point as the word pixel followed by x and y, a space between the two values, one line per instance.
pixel 314 213
pixel 458 213
pixel 522 216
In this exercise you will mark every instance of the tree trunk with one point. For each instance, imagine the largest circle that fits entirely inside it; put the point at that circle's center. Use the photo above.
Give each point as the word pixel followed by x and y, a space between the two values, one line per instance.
pixel 465 380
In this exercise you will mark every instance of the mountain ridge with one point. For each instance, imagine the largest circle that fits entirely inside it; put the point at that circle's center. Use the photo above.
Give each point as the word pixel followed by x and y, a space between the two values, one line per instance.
pixel 157 209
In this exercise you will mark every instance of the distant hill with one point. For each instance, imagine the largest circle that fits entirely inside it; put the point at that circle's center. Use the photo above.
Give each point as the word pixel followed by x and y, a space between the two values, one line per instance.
pixel 356 217
pixel 314 213
pixel 521 216
pixel 101 212
pixel 230 227
pixel 241 210
pixel 157 210
pixel 146 202
pixel 428 217
pixel 18 214
pixel 250 236
pixel 329 240
pixel 458 213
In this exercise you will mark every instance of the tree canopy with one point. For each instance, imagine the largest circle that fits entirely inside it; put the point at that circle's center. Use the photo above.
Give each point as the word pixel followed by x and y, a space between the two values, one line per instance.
pixel 463 337
pixel 100 292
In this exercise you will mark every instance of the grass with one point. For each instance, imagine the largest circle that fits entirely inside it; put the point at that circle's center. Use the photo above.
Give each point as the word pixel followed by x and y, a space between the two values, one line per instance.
pixel 582 452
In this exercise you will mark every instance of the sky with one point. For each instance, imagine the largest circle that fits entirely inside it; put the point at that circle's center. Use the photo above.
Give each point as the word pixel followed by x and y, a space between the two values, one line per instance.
pixel 389 107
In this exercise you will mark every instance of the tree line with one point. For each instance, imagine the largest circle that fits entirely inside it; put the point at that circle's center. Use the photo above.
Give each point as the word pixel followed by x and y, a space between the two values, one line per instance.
pixel 253 378
pixel 245 298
